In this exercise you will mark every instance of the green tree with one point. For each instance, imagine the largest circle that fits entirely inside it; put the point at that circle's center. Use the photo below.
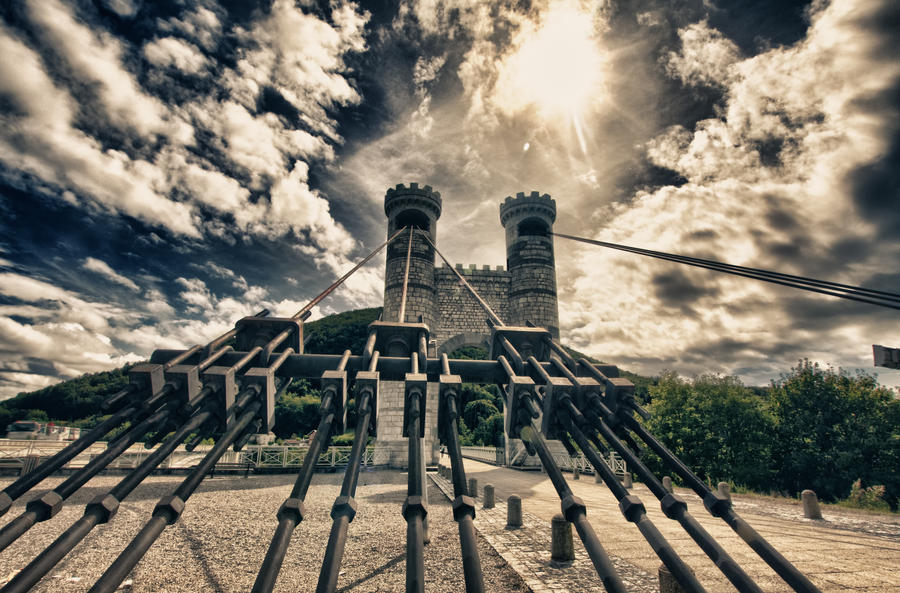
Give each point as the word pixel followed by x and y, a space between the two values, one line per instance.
pixel 832 428
pixel 718 427
pixel 489 431
pixel 297 411
pixel 478 410
pixel 336 333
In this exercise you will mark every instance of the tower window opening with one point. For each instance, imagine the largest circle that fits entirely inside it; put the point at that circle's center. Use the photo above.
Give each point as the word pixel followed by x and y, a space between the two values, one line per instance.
pixel 533 226
pixel 413 218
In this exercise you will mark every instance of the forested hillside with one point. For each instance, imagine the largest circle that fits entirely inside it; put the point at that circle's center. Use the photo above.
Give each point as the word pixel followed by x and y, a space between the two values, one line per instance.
pixel 77 402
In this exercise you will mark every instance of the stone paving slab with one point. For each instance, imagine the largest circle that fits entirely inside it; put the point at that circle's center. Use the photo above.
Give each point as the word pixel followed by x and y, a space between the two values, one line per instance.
pixel 861 554
pixel 527 551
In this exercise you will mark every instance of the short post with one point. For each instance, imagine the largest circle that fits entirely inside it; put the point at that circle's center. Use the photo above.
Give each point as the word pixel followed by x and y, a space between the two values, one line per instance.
pixel 473 487
pixel 811 508
pixel 513 512
pixel 598 479
pixel 626 480
pixel 667 484
pixel 488 496
pixel 562 548
pixel 725 490
pixel 667 582
pixel 576 474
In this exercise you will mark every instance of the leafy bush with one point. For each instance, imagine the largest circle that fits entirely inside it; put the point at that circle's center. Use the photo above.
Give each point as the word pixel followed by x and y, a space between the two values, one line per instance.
pixel 872 497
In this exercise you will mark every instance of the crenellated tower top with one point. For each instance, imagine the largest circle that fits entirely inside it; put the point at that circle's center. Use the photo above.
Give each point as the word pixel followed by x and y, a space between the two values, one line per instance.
pixel 401 198
pixel 527 206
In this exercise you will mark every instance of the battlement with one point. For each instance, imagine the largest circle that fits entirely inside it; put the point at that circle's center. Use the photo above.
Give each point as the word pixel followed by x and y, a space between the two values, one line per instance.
pixel 401 197
pixel 471 269
pixel 533 204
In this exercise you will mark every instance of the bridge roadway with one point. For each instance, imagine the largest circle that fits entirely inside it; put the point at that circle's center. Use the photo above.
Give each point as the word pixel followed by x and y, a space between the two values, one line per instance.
pixel 848 551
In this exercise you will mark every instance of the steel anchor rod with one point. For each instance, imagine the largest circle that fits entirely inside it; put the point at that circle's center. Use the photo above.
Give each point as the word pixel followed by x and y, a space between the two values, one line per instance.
pixel 291 512
pixel 100 510
pixel 169 508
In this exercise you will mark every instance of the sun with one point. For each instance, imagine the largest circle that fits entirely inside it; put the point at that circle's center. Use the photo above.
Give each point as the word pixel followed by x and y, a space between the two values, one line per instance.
pixel 556 67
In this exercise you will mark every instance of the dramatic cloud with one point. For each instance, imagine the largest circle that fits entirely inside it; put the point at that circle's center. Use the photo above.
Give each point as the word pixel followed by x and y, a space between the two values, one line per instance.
pixel 166 169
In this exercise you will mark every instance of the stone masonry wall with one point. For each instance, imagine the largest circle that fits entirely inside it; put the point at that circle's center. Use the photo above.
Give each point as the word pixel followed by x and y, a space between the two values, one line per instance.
pixel 458 311
pixel 392 445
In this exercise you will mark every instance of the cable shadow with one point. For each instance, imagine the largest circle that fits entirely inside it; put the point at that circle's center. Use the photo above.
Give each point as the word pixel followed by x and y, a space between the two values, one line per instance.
pixel 381 569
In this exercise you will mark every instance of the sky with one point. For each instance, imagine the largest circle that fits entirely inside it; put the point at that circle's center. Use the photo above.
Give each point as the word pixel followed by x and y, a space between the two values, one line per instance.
pixel 167 167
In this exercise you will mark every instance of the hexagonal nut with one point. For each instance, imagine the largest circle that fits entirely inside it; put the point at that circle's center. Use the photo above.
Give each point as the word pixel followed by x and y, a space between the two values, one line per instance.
pixel 292 508
pixel 46 506
pixel 716 504
pixel 170 507
pixel 5 502
pixel 105 506
pixel 572 506
pixel 344 506
pixel 673 506
pixel 414 505
pixel 463 506
pixel 632 507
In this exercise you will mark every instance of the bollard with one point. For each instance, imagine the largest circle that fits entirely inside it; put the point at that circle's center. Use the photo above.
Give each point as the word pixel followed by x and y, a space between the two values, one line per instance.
pixel 667 484
pixel 514 512
pixel 725 490
pixel 598 479
pixel 667 582
pixel 576 474
pixel 562 548
pixel 488 496
pixel 473 487
pixel 626 480
pixel 811 508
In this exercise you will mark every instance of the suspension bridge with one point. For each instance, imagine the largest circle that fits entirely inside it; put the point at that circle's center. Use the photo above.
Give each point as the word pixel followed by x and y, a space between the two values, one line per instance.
pixel 227 389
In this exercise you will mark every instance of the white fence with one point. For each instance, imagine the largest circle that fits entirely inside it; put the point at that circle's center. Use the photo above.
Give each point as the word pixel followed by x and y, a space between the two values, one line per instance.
pixel 492 455
pixel 19 454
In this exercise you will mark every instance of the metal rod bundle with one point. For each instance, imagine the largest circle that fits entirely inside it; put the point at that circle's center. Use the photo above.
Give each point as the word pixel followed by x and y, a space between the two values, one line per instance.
pixel 870 296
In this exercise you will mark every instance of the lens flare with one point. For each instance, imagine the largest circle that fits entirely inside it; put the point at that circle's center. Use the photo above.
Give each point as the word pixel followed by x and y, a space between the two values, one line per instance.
pixel 556 67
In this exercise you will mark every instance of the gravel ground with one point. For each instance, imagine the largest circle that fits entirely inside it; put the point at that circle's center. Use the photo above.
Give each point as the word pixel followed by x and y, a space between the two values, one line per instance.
pixel 221 539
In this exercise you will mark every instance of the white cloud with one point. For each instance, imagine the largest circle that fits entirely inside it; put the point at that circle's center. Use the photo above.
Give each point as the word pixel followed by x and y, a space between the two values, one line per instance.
pixel 200 25
pixel 166 184
pixel 102 268
pixel 123 8
pixel 767 178
pixel 176 53
pixel 706 56
pixel 96 57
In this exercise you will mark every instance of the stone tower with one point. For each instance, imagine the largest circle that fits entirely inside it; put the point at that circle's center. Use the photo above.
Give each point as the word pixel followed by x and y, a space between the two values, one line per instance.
pixel 419 208
pixel 528 221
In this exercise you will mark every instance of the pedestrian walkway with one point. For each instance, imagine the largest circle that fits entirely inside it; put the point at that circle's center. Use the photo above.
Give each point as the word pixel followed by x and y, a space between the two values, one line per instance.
pixel 834 558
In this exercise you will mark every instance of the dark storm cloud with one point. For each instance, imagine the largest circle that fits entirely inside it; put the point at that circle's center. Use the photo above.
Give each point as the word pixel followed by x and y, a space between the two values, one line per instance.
pixel 679 289
pixel 876 189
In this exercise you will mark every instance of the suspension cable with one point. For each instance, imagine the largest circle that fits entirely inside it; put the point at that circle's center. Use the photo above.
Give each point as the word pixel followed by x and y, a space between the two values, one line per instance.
pixel 401 316
pixel 303 313
pixel 845 291
pixel 494 317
